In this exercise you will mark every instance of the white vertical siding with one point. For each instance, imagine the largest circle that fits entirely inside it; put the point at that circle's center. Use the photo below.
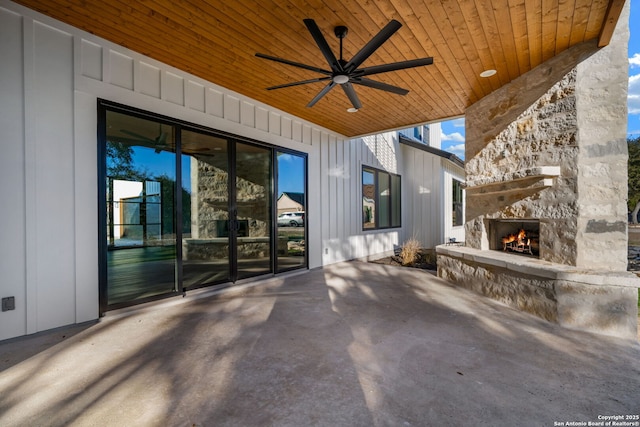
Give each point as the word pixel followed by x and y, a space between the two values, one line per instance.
pixel 12 175
pixel 451 172
pixel 427 195
pixel 422 192
pixel 435 135
pixel 51 78
pixel 53 216
pixel 86 214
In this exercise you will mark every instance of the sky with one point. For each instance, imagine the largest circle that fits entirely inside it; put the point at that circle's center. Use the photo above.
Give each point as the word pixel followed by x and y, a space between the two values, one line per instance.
pixel 453 130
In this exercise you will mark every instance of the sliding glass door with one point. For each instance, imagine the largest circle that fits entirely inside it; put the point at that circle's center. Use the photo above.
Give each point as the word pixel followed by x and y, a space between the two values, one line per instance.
pixel 140 187
pixel 205 231
pixel 251 213
pixel 291 208
pixel 217 226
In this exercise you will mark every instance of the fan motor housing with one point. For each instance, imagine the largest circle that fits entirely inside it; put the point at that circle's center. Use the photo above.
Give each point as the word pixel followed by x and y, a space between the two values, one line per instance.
pixel 340 31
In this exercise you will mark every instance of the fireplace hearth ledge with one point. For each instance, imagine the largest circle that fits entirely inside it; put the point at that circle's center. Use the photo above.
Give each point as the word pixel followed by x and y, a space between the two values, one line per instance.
pixel 541 268
pixel 602 302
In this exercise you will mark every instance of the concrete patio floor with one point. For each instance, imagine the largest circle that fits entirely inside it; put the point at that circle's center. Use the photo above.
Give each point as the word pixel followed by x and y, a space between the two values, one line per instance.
pixel 353 344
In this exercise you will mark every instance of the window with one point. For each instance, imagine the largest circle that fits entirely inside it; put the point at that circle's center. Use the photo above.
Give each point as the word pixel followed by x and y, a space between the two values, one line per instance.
pixel 416 134
pixel 380 199
pixel 457 203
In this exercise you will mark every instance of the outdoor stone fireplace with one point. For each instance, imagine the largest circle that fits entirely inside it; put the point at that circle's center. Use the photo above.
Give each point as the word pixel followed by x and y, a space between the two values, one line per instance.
pixel 546 155
pixel 516 236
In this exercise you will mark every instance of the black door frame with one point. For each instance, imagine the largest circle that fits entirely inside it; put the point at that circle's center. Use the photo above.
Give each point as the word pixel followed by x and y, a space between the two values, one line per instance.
pixel 179 125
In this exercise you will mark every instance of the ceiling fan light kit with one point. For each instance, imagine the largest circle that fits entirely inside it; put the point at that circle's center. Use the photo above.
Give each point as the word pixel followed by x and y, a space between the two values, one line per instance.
pixel 347 73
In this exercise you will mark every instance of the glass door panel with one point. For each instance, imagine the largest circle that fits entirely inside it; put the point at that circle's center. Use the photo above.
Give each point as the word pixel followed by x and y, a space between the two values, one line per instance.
pixel 205 209
pixel 292 220
pixel 252 213
pixel 140 164
pixel 383 195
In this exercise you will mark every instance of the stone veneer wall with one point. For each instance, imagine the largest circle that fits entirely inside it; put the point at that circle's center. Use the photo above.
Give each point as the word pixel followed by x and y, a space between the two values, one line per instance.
pixel 569 112
pixel 551 145
pixel 545 134
pixel 209 207
pixel 602 302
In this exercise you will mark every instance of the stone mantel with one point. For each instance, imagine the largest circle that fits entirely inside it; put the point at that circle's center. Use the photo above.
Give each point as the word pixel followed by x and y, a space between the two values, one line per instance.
pixel 540 268
pixel 535 177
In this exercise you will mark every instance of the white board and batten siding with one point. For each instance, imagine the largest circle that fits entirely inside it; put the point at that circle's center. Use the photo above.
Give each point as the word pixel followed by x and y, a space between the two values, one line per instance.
pixel 51 77
pixel 341 200
pixel 428 197
pixel 450 172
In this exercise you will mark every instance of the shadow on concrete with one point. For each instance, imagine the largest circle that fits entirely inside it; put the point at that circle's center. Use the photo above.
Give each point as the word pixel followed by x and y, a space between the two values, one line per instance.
pixel 351 344
pixel 16 350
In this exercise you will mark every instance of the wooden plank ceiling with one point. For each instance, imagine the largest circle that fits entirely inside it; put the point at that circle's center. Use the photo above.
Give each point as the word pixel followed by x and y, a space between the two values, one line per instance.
pixel 217 41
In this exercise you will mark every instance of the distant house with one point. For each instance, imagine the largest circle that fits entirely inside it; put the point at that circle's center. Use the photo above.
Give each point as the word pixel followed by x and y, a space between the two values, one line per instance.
pixel 290 202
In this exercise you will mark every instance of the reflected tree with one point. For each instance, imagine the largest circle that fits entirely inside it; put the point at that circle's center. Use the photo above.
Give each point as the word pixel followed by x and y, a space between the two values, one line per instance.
pixel 120 163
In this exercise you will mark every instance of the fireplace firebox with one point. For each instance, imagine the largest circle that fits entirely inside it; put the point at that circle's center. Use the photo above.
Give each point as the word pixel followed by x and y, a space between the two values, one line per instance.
pixel 518 236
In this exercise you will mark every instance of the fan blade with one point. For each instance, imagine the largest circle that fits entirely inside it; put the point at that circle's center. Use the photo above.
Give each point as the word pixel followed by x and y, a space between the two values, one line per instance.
pixel 379 85
pixel 162 138
pixel 351 93
pixel 142 138
pixel 385 68
pixel 323 45
pixel 304 82
pixel 295 64
pixel 322 93
pixel 373 44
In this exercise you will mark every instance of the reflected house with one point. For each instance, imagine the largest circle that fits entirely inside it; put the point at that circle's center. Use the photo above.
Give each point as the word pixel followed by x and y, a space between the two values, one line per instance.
pixel 368 204
pixel 207 151
pixel 290 202
pixel 136 212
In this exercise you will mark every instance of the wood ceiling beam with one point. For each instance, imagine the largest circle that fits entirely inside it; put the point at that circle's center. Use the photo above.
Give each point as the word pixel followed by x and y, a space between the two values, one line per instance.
pixel 609 25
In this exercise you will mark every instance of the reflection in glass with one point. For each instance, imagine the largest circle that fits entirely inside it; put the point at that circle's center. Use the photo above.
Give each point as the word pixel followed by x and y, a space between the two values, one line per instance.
pixel 368 199
pixel 205 209
pixel 396 219
pixel 291 223
pixel 222 212
pixel 457 203
pixel 253 208
pixel 141 256
pixel 383 197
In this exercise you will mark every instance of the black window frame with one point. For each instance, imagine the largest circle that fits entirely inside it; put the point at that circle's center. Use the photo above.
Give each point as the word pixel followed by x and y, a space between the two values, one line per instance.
pixel 395 200
pixel 457 200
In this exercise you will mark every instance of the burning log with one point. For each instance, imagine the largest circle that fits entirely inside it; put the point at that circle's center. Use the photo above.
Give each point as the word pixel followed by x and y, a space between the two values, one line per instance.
pixel 517 242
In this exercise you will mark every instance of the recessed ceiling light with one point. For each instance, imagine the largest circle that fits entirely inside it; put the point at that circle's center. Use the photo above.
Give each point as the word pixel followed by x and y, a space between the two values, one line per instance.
pixel 487 73
pixel 352 110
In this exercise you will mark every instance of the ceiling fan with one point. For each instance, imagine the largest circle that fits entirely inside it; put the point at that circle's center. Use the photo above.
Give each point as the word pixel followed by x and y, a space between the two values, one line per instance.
pixel 158 143
pixel 347 73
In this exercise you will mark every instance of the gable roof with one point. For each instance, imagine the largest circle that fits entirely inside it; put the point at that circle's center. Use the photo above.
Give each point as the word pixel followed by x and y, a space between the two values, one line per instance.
pixel 438 152
pixel 296 197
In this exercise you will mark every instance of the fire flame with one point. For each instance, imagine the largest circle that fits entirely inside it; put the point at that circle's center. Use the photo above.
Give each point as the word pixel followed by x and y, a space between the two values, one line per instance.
pixel 519 238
